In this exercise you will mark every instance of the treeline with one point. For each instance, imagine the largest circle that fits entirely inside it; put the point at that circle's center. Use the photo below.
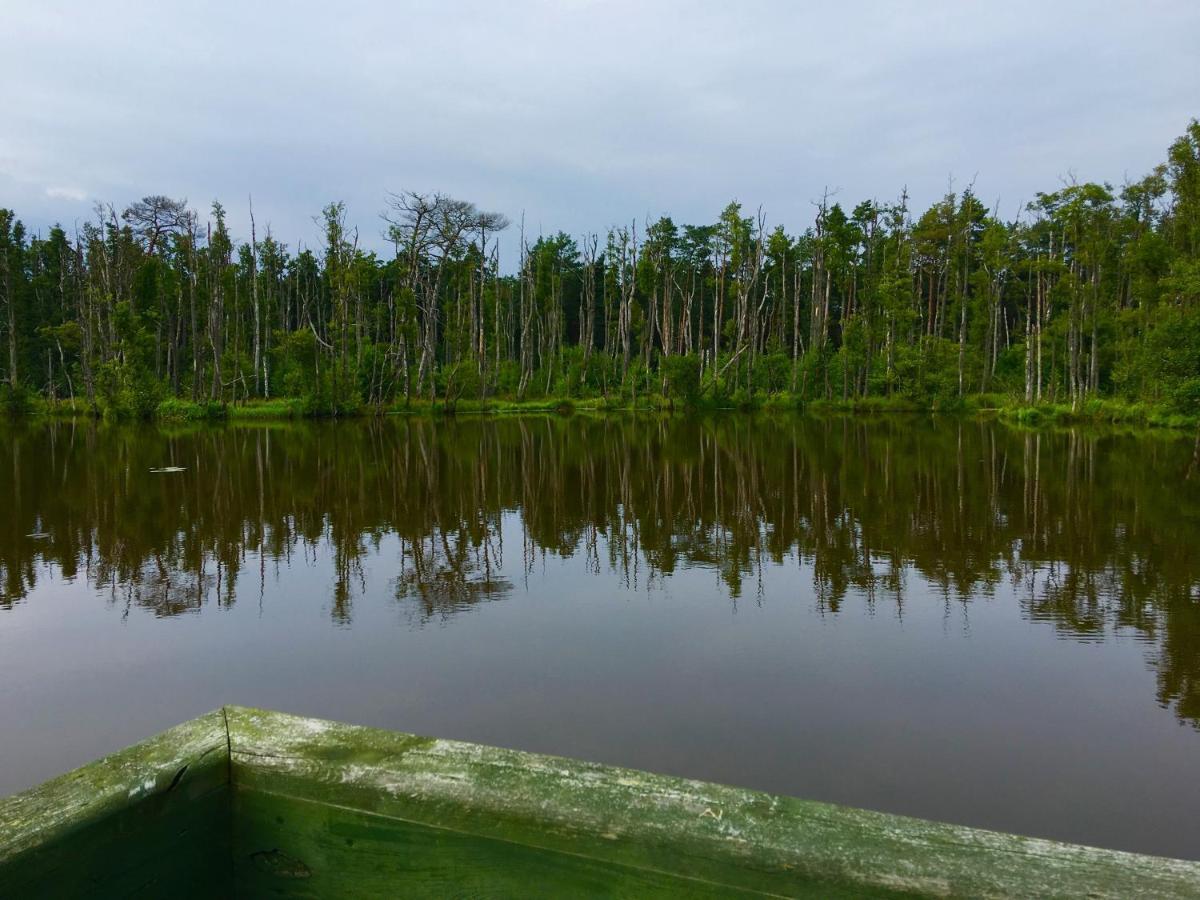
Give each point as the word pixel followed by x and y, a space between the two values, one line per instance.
pixel 1090 292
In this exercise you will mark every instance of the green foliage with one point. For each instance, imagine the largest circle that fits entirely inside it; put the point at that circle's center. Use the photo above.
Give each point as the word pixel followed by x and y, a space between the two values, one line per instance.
pixel 682 375
pixel 508 378
pixel 17 401
pixel 334 394
pixel 637 381
pixel 457 380
pixel 174 409
pixel 1093 294
pixel 280 408
pixel 296 369
pixel 927 374
pixel 1185 398
pixel 773 373
pixel 1165 360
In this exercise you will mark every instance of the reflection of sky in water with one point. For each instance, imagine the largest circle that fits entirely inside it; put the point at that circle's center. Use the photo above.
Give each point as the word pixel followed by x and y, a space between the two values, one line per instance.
pixel 863 614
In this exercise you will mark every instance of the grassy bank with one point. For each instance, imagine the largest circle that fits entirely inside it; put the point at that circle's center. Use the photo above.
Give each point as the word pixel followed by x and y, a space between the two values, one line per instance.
pixel 1098 411
pixel 1094 411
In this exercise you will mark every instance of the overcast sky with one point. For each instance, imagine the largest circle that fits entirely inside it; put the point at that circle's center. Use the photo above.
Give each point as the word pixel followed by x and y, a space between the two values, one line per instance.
pixel 580 113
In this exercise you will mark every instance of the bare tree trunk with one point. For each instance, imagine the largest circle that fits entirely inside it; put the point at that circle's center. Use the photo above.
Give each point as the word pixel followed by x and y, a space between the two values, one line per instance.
pixel 1040 304
pixel 588 337
pixel 259 365
pixel 11 303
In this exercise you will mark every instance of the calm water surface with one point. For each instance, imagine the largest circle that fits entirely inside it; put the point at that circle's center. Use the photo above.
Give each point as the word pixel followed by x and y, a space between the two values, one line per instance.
pixel 946 619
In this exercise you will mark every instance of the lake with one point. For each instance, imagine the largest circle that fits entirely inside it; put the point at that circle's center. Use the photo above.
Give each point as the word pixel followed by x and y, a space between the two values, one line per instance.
pixel 931 616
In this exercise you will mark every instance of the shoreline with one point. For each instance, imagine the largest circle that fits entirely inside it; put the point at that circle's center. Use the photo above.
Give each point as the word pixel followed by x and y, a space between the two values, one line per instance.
pixel 1100 411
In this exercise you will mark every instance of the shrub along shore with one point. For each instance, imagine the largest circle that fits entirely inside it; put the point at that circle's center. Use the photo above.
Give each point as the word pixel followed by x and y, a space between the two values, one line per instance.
pixel 1084 306
pixel 1093 411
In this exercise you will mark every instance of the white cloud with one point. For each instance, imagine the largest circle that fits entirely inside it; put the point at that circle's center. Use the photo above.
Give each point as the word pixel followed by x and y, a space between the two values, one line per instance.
pixel 584 113
pixel 66 193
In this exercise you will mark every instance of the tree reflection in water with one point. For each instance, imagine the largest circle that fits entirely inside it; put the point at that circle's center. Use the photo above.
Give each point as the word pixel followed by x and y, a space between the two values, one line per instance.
pixel 1096 530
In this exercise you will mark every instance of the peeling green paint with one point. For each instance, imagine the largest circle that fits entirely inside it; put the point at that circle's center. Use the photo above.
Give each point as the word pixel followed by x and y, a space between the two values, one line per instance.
pixel 246 802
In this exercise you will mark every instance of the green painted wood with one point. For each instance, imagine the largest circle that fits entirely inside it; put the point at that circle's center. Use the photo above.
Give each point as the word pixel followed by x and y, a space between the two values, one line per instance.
pixel 298 848
pixel 151 820
pixel 249 803
pixel 637 822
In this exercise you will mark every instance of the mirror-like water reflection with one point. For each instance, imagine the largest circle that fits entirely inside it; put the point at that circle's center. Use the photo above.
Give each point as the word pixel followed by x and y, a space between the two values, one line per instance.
pixel 936 617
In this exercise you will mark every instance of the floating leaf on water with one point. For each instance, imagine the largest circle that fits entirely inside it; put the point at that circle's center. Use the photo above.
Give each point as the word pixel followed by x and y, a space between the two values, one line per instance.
pixel 168 470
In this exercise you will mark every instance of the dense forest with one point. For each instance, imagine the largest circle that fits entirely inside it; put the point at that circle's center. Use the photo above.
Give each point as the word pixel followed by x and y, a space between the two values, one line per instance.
pixel 1091 292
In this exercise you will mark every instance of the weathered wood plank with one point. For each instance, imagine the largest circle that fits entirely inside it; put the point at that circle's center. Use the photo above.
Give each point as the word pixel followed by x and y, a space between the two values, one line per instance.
pixel 151 819
pixel 657 824
pixel 285 847
pixel 322 809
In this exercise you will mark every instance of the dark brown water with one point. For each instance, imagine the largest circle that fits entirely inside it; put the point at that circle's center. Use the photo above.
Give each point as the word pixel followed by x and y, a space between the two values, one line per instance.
pixel 947 619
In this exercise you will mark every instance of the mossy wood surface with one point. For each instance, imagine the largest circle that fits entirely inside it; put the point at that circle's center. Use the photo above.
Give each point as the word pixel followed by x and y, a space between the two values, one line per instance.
pixel 705 833
pixel 151 820
pixel 250 803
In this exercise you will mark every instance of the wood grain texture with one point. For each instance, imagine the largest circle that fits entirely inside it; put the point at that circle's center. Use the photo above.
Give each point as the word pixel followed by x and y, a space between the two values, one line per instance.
pixel 650 824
